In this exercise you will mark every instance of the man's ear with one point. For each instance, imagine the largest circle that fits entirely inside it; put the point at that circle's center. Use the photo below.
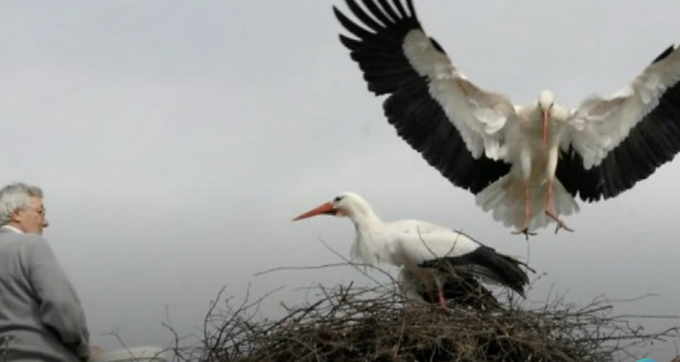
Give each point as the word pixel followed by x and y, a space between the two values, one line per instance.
pixel 16 215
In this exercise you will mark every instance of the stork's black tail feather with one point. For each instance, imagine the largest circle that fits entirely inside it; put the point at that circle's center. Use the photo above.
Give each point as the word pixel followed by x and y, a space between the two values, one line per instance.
pixel 510 272
pixel 486 263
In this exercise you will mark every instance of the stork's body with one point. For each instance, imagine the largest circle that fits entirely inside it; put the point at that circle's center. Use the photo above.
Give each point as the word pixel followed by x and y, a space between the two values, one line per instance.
pixel 526 164
pixel 531 145
pixel 430 251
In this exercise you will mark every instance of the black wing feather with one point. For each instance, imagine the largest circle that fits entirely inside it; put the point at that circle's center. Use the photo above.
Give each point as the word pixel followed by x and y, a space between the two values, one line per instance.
pixel 651 143
pixel 486 262
pixel 417 117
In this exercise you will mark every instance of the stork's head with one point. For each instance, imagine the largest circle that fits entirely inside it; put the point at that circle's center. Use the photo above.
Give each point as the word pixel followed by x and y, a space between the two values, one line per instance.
pixel 546 101
pixel 348 204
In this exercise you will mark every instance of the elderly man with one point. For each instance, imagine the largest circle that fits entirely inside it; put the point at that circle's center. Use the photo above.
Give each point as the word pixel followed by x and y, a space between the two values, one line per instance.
pixel 41 318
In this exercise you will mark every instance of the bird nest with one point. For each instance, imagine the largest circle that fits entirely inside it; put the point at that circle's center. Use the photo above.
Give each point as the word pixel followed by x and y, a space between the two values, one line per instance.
pixel 349 323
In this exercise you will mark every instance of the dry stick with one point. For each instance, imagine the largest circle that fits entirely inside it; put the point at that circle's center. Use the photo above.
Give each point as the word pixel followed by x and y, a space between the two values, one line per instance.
pixel 345 324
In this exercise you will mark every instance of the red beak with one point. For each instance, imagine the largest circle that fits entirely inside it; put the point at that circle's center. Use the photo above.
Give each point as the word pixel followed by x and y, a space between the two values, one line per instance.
pixel 546 125
pixel 324 209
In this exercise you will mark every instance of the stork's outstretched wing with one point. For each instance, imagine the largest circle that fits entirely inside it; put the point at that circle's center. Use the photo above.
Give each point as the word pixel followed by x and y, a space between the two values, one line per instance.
pixel 619 140
pixel 456 126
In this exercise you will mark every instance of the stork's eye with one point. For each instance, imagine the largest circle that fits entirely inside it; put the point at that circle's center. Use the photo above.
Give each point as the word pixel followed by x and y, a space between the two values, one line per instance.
pixel 337 199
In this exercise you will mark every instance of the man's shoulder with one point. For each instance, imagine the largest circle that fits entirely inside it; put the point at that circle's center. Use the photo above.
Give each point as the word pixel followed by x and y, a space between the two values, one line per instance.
pixel 28 240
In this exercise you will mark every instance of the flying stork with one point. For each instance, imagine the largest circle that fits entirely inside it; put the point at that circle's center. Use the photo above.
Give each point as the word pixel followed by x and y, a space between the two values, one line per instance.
pixel 525 163
pixel 434 253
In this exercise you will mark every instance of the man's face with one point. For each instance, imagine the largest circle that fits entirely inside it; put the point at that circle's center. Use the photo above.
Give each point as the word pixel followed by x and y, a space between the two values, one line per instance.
pixel 32 219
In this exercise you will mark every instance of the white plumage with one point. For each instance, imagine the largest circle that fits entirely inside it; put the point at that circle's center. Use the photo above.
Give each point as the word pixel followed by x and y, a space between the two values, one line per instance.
pixel 431 251
pixel 526 164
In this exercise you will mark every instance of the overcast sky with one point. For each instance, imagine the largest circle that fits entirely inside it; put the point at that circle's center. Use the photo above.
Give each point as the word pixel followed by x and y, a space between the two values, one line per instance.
pixel 175 140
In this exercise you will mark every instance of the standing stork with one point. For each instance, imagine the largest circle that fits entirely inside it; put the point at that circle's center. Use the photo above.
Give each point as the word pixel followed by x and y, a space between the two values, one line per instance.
pixel 432 252
pixel 517 160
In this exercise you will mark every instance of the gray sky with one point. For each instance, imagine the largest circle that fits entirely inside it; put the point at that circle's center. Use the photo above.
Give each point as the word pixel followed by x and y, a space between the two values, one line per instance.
pixel 176 140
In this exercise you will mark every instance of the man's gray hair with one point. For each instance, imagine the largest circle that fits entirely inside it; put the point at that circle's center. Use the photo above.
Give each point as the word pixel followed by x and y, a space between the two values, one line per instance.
pixel 16 196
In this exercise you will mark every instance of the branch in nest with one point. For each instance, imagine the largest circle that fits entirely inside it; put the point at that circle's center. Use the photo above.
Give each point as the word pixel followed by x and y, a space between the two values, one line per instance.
pixel 349 323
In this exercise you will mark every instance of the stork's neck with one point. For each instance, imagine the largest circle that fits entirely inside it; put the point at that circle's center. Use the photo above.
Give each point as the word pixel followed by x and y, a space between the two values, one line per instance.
pixel 364 217
pixel 371 240
pixel 367 223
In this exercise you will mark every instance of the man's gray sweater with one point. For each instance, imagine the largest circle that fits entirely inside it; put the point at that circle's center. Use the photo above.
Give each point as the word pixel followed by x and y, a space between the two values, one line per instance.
pixel 40 311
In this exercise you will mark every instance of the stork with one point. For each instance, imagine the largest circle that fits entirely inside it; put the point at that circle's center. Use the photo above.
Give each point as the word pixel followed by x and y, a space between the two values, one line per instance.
pixel 431 251
pixel 527 164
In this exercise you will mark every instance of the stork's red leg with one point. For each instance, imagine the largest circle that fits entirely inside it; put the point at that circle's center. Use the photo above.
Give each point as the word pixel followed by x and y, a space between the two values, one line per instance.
pixel 442 300
pixel 527 213
pixel 549 209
